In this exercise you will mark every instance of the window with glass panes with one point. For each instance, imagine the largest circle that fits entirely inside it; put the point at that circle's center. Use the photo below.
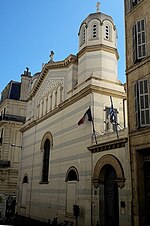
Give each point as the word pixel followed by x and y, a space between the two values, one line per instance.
pixel 142 103
pixel 46 155
pixel 139 40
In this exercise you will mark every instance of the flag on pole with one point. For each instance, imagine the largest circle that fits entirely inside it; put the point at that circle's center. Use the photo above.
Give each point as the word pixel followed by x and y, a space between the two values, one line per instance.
pixel 112 113
pixel 89 117
pixel 113 116
pixel 86 114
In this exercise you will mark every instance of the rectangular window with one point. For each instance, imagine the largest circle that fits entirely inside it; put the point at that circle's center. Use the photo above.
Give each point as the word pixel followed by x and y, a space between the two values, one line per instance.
pixel 142 103
pixel 139 40
pixel 134 3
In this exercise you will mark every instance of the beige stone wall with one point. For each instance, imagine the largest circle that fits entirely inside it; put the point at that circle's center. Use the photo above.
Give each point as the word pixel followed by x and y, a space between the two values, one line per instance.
pixel 138 137
pixel 88 79
pixel 10 149
pixel 70 143
pixel 141 11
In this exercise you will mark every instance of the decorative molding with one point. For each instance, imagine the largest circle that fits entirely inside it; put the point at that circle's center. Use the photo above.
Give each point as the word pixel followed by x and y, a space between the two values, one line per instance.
pixel 84 92
pixel 71 59
pixel 98 48
pixel 118 143
pixel 99 170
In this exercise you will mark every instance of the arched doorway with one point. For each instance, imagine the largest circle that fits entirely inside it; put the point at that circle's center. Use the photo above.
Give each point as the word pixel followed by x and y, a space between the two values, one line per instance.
pixel 108 178
pixel 72 177
pixel 111 211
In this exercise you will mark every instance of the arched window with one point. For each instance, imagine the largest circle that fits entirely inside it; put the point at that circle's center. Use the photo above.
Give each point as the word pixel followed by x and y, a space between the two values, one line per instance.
pixel 24 190
pixel 107 32
pixel 94 31
pixel 72 174
pixel 82 35
pixel 107 29
pixel 46 154
pixel 25 179
pixel 72 178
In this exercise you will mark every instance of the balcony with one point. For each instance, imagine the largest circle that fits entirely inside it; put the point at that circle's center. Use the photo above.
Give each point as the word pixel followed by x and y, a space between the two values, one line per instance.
pixel 16 118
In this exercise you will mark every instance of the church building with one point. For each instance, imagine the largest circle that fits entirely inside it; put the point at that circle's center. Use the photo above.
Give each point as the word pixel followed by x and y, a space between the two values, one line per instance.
pixel 75 163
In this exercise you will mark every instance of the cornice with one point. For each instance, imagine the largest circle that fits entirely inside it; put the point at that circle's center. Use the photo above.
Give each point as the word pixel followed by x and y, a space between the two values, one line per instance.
pixel 138 65
pixel 71 59
pixel 109 145
pixel 143 131
pixel 28 126
pixel 8 101
pixel 98 48
pixel 97 79
pixel 76 97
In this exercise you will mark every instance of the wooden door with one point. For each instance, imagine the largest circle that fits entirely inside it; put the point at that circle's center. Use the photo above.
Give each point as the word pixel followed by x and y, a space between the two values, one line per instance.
pixel 147 191
pixel 111 198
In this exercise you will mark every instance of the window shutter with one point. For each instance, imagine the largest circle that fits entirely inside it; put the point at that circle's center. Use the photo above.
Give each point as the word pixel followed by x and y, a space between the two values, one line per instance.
pixel 141 39
pixel 144 102
pixel 134 40
pixel 128 5
pixel 137 112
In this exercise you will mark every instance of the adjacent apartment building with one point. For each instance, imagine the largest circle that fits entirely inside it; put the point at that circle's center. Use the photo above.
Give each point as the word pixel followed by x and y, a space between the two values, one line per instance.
pixel 137 26
pixel 12 117
pixel 71 154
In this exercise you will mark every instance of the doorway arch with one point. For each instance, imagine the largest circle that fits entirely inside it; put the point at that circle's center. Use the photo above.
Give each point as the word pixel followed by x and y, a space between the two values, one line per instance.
pixel 99 170
pixel 108 177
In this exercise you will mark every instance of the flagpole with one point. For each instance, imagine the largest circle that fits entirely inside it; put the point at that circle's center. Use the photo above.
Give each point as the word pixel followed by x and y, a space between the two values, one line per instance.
pixel 94 133
pixel 116 124
pixel 115 117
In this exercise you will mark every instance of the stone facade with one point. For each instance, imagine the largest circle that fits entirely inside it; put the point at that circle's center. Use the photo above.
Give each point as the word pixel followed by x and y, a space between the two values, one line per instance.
pixel 137 19
pixel 13 113
pixel 63 163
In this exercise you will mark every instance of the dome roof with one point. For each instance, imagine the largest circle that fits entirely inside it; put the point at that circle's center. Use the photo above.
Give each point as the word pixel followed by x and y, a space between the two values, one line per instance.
pixel 98 16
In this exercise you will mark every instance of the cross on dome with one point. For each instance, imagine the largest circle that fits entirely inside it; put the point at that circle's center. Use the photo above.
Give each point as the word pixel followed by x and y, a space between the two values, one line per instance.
pixel 98 7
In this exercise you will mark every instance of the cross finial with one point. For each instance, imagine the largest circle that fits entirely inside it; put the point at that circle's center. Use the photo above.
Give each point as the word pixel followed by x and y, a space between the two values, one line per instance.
pixel 98 7
pixel 51 55
pixel 27 69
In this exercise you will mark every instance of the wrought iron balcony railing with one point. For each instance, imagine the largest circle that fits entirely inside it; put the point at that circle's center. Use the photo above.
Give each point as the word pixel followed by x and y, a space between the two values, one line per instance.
pixel 15 118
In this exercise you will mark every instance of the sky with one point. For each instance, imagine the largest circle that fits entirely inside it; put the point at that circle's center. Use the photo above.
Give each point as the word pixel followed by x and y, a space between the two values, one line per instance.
pixel 30 29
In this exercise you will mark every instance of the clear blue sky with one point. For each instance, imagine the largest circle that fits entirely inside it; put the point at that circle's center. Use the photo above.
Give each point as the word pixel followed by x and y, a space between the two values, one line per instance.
pixel 30 29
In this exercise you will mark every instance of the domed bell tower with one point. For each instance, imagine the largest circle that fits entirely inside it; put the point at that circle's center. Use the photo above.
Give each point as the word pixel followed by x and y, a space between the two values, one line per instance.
pixel 98 55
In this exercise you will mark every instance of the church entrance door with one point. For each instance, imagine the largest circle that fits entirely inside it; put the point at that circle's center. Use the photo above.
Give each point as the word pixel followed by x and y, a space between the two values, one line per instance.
pixel 111 197
pixel 147 191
